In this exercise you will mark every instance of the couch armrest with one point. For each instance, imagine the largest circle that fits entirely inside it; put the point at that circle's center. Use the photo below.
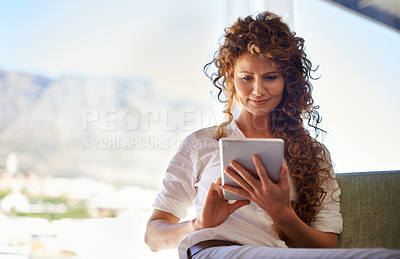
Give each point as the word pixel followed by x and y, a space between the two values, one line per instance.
pixel 370 206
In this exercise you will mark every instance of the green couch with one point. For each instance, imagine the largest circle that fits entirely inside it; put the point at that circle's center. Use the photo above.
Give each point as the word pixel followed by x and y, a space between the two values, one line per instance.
pixel 370 206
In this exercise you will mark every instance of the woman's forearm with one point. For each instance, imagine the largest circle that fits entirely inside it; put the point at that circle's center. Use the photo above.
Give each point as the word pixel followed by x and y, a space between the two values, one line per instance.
pixel 164 234
pixel 302 235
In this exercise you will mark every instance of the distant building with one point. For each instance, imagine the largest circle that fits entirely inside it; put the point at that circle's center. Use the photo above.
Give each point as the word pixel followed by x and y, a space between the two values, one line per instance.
pixel 12 163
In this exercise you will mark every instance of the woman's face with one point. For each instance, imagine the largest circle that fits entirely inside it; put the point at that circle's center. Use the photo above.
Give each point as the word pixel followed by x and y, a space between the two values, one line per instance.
pixel 259 86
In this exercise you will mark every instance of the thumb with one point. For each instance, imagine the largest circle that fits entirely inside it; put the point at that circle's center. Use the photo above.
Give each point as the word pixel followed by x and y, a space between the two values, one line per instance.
pixel 216 187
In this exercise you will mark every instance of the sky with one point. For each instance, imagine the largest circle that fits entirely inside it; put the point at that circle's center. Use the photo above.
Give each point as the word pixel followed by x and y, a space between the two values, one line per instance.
pixel 169 42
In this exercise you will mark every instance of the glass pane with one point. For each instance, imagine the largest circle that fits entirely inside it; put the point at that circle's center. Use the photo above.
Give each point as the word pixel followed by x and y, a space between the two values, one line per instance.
pixel 358 85
pixel 95 99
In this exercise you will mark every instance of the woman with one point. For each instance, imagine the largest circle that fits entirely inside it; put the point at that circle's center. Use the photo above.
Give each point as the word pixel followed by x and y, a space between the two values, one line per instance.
pixel 262 68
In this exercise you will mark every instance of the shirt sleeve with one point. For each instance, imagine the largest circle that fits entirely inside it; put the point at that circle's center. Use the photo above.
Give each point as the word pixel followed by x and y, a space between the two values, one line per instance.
pixel 329 218
pixel 178 190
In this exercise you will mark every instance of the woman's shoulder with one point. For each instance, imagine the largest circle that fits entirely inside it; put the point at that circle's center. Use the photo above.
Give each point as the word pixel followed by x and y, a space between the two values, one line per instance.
pixel 201 138
pixel 324 152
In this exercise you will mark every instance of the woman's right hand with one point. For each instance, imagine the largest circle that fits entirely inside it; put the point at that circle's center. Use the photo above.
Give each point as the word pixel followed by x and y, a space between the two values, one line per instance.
pixel 164 230
pixel 216 209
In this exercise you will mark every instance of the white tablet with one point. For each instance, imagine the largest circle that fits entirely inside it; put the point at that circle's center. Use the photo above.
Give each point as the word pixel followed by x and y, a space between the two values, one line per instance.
pixel 270 150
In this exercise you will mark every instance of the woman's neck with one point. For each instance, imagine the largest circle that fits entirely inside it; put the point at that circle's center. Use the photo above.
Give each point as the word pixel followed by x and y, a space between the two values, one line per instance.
pixel 254 126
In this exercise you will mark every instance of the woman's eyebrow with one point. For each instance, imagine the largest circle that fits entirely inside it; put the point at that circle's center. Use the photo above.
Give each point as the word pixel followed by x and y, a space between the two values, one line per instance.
pixel 269 72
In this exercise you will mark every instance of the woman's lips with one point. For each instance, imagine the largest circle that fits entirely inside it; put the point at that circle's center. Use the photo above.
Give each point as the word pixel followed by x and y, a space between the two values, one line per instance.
pixel 258 102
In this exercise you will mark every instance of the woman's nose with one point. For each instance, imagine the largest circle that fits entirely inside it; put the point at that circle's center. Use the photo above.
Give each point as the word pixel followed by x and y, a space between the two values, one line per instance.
pixel 258 88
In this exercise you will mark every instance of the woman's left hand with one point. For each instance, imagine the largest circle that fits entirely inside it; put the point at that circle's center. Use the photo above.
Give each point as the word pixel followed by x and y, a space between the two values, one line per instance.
pixel 274 198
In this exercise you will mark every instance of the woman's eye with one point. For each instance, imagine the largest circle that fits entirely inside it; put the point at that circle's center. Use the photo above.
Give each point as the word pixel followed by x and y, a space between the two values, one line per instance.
pixel 246 78
pixel 271 77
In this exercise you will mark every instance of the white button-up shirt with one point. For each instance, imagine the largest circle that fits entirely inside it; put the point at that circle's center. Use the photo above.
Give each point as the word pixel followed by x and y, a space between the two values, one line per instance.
pixel 191 171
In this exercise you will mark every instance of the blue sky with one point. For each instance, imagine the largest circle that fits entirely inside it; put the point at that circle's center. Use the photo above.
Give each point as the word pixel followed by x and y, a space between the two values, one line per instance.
pixel 170 41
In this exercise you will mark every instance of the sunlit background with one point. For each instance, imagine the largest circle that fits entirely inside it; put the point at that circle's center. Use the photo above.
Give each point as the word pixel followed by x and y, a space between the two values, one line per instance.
pixel 95 97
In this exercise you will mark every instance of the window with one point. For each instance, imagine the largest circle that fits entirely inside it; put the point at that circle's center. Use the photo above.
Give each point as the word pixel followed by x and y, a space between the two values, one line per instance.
pixel 96 98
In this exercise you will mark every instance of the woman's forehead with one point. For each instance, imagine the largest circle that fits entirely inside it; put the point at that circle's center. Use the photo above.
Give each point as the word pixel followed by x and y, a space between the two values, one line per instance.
pixel 254 62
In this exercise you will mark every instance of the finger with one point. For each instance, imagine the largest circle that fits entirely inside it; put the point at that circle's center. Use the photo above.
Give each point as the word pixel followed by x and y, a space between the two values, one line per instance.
pixel 237 190
pixel 217 188
pixel 219 182
pixel 248 177
pixel 238 179
pixel 284 176
pixel 262 173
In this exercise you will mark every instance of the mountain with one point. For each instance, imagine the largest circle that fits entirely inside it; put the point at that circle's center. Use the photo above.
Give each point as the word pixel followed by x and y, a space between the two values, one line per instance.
pixel 115 129
pixel 18 91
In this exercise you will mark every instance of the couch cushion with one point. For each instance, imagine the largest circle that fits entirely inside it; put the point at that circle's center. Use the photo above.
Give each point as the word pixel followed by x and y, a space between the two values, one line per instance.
pixel 370 206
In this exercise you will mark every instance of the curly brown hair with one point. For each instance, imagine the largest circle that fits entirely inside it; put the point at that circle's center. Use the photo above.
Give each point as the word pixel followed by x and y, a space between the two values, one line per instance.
pixel 266 36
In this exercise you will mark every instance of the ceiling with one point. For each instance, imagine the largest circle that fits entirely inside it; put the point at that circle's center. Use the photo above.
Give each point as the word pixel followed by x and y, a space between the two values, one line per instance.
pixel 386 12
